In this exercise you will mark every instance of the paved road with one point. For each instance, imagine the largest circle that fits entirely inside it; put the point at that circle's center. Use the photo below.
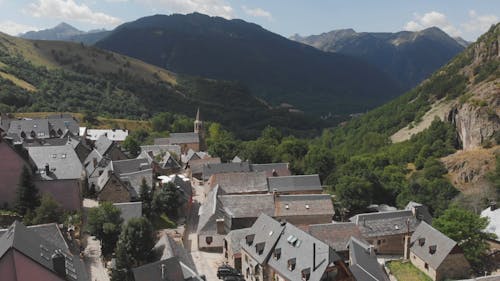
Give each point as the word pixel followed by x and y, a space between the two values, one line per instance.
pixel 92 253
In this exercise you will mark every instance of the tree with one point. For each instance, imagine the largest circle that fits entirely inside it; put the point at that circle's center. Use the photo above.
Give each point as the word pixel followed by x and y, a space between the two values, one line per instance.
pixel 354 193
pixel 90 117
pixel 49 211
pixel 166 200
pixel 105 223
pixel 133 248
pixel 147 198
pixel 132 146
pixel 467 229
pixel 319 160
pixel 27 198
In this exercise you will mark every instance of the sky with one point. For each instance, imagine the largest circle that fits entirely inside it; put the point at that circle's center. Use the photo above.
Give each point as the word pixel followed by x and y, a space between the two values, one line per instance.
pixel 465 18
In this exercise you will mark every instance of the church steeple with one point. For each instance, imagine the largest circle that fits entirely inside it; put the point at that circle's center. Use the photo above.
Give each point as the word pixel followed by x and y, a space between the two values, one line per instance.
pixel 199 129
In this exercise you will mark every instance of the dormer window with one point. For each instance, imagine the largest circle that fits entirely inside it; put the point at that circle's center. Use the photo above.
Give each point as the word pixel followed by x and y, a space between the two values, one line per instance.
pixel 277 253
pixel 291 264
pixel 421 241
pixel 259 247
pixel 249 239
pixel 432 249
pixel 306 274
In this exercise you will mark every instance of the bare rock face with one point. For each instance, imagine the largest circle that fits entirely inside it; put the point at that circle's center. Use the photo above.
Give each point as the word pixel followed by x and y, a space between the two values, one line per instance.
pixel 477 119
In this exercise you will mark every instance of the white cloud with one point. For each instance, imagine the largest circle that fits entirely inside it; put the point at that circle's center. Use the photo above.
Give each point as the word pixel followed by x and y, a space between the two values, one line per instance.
pixel 257 12
pixel 210 7
pixel 14 28
pixel 431 19
pixel 479 23
pixel 70 10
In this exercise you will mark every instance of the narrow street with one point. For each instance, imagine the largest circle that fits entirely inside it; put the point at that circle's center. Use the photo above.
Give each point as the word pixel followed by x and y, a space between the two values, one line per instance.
pixel 92 253
pixel 206 262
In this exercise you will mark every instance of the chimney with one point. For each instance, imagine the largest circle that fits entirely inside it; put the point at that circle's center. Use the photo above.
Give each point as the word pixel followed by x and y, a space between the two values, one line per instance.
pixel 59 263
pixel 493 205
pixel 314 256
pixel 275 174
pixel 95 161
pixel 406 249
pixel 220 226
pixel 371 250
pixel 47 168
pixel 163 272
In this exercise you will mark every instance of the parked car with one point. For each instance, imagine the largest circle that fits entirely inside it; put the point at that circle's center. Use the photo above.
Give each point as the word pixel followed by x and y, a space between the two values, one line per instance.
pixel 227 271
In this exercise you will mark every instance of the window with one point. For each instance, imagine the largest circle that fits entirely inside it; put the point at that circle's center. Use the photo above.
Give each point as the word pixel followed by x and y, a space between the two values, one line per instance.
pixel 277 253
pixel 54 156
pixel 209 240
pixel 426 266
pixel 257 269
pixel 379 242
pixel 63 156
pixel 291 264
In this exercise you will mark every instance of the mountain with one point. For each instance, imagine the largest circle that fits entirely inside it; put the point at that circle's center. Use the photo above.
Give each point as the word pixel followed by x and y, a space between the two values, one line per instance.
pixel 57 76
pixel 66 32
pixel 274 68
pixel 453 116
pixel 408 57
pixel 464 43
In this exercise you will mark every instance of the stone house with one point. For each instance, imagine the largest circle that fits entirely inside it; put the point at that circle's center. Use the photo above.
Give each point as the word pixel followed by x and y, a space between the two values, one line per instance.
pixel 386 230
pixel 304 209
pixel 273 250
pixel 436 255
pixel 38 253
pixel 300 184
pixel 232 247
pixel 337 235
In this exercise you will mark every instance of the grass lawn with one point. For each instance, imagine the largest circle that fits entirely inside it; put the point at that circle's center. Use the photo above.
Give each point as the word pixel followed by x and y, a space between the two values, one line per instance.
pixel 405 271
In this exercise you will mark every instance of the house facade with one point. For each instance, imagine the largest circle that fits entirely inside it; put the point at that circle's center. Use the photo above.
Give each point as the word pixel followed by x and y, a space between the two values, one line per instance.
pixel 437 255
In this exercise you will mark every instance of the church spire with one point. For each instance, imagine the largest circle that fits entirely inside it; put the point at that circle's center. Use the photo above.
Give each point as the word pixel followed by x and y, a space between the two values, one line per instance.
pixel 198 115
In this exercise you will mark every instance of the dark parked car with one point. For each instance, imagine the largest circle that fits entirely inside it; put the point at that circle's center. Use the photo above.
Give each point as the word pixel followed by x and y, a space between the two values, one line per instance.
pixel 227 271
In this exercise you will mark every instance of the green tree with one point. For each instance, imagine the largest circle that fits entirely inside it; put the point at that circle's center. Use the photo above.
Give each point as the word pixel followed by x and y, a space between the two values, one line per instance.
pixel 105 223
pixel 354 193
pixel 132 146
pixel 133 248
pixel 467 229
pixel 146 195
pixel 166 200
pixel 27 198
pixel 90 117
pixel 49 211
pixel 319 160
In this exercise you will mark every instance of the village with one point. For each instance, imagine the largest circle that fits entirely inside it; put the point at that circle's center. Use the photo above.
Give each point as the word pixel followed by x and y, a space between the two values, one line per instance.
pixel 232 221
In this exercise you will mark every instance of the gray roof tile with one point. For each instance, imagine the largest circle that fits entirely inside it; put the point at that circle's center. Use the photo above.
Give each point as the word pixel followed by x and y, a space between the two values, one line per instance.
pixel 295 183
pixel 431 237
pixel 234 183
pixel 304 205
pixel 63 162
pixel 210 169
pixel 364 264
pixel 337 234
pixel 265 230
pixel 385 223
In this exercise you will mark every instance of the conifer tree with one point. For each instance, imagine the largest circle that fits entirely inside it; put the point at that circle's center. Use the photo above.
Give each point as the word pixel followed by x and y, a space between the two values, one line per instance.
pixel 27 198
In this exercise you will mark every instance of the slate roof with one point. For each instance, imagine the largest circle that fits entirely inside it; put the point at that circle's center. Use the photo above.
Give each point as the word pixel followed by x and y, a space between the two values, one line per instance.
pixel 157 149
pixel 174 270
pixel 31 243
pixel 281 169
pixel 234 237
pixel 193 155
pixel 112 134
pixel 234 183
pixel 129 210
pixel 62 160
pixel 420 211
pixel 336 234
pixel 196 166
pixel 430 237
pixel 304 205
pixel 265 230
pixel 209 212
pixel 247 206
pixel 88 163
pixel 179 138
pixel 385 223
pixel 130 165
pixel 295 183
pixel 64 123
pixel 134 180
pixel 364 265
pixel 39 126
pixel 210 169
pixel 167 247
pixel 302 252
pixel 103 144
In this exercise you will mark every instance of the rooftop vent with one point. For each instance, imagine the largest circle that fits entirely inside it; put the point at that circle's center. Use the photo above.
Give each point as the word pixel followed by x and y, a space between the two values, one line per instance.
pixel 277 253
pixel 421 241
pixel 291 264
pixel 432 249
pixel 259 247
pixel 307 206
pixel 306 274
pixel 249 239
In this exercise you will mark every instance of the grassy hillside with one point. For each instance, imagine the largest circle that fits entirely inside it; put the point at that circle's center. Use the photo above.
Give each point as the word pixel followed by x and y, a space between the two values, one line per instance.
pixel 64 76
